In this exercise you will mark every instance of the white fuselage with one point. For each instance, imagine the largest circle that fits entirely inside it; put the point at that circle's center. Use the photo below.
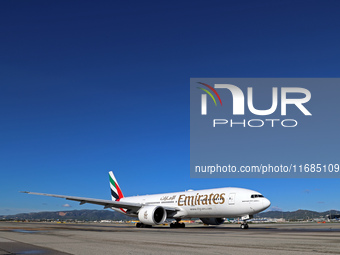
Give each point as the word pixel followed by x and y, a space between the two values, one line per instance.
pixel 208 203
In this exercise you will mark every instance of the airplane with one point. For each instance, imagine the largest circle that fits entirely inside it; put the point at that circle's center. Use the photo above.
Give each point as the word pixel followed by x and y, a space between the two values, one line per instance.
pixel 212 206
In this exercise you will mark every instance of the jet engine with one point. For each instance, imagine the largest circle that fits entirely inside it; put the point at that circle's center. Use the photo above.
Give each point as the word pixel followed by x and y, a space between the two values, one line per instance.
pixel 212 221
pixel 152 215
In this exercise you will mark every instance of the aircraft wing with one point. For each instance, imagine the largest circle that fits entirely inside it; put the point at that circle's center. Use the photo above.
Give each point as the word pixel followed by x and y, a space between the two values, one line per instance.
pixel 106 203
pixel 84 200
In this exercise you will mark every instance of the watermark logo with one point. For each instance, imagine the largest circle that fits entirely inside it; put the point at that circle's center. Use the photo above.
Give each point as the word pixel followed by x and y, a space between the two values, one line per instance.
pixel 239 99
pixel 204 97
pixel 270 101
pixel 262 128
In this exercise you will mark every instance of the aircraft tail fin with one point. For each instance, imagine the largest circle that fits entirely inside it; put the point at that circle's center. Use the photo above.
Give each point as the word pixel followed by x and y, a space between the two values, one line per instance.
pixel 116 192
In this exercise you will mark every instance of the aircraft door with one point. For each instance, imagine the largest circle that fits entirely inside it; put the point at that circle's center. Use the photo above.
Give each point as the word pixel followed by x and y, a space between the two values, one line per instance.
pixel 231 199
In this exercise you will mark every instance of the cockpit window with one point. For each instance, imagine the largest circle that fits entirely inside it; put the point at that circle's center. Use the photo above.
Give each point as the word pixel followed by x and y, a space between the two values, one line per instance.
pixel 256 195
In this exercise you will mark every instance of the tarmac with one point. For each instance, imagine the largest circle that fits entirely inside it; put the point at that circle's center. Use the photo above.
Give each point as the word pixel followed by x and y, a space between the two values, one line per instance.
pixel 107 238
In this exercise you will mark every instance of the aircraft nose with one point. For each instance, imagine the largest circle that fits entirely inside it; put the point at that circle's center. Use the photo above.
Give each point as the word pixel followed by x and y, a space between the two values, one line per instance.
pixel 265 203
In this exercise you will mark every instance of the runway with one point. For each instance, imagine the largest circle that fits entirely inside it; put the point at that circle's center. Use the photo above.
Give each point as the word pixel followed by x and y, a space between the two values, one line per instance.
pixel 97 238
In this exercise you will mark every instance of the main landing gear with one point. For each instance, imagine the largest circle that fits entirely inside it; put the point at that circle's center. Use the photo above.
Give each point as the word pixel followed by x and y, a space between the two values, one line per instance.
pixel 177 225
pixel 142 225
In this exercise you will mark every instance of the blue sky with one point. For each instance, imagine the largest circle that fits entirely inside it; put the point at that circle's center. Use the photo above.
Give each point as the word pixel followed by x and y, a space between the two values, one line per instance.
pixel 92 86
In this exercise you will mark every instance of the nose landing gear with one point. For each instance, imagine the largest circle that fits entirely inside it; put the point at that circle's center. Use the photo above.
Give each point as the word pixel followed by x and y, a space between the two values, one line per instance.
pixel 244 225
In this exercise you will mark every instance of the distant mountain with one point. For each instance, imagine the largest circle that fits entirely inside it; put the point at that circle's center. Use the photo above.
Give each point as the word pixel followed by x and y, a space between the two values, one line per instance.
pixel 296 215
pixel 83 215
pixel 96 215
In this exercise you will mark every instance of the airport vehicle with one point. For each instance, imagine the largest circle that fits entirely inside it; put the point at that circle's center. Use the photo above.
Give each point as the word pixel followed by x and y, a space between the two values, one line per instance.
pixel 212 206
